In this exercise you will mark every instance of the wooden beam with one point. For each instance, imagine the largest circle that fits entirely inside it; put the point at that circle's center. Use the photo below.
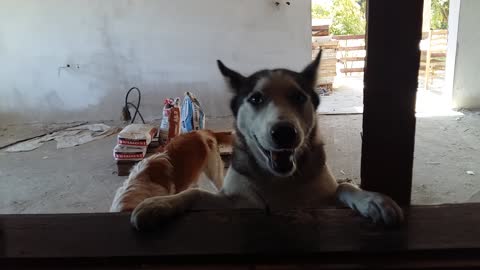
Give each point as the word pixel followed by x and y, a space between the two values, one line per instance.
pixel 353 48
pixel 238 239
pixel 348 37
pixel 351 70
pixel 389 101
pixel 320 30
pixel 320 27
pixel 352 59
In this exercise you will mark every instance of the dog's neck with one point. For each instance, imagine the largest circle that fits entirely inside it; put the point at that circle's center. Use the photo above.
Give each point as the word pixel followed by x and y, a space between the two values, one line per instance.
pixel 311 156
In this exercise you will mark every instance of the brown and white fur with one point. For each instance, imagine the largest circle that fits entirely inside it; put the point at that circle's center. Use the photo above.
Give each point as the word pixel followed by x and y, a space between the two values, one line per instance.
pixel 179 167
pixel 278 156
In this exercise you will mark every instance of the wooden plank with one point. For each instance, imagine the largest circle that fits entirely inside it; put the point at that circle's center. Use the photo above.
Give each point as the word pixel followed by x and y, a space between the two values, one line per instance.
pixel 317 47
pixel 434 62
pixel 327 77
pixel 440 32
pixel 321 33
pixel 320 27
pixel 348 37
pixel 330 48
pixel 439 54
pixel 328 61
pixel 322 237
pixel 327 68
pixel 325 40
pixel 331 70
pixel 440 38
pixel 353 48
pixel 351 70
pixel 352 59
pixel 389 102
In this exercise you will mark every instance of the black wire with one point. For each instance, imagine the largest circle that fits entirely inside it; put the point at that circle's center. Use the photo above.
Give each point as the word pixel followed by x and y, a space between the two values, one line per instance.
pixel 127 104
pixel 136 112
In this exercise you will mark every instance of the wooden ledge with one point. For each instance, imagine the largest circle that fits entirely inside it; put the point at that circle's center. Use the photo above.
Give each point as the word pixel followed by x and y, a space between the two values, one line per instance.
pixel 432 234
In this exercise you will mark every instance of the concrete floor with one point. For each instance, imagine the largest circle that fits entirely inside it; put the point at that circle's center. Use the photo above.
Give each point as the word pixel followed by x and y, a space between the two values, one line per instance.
pixel 83 178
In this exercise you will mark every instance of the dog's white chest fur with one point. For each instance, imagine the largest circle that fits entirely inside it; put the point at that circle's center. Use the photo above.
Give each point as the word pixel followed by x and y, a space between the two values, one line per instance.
pixel 280 194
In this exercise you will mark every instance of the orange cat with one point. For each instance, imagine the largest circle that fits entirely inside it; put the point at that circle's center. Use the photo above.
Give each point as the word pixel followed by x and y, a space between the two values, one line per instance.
pixel 185 158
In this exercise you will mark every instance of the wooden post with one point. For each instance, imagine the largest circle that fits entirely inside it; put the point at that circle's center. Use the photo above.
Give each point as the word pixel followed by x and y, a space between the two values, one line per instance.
pixel 427 15
pixel 428 60
pixel 391 80
pixel 426 22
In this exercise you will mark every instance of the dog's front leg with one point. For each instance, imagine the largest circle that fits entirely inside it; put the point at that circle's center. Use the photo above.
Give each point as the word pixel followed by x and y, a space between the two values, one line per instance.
pixel 157 210
pixel 376 206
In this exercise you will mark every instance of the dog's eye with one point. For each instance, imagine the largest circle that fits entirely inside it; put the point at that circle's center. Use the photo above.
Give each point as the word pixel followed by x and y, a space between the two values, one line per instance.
pixel 256 99
pixel 299 97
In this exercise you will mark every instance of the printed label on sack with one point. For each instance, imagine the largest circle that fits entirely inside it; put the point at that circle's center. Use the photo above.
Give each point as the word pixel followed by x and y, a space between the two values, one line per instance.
pixel 132 142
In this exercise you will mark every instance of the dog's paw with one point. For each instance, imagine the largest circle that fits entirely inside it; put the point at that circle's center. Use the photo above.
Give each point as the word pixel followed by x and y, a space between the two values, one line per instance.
pixel 153 212
pixel 379 208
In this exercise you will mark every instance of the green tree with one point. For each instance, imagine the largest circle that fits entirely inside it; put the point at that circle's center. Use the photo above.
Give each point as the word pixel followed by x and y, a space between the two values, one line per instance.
pixel 439 13
pixel 348 18
pixel 319 12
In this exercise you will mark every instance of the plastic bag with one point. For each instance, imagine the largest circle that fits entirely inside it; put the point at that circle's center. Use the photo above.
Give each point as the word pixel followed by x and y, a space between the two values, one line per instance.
pixel 174 120
pixel 163 131
pixel 192 114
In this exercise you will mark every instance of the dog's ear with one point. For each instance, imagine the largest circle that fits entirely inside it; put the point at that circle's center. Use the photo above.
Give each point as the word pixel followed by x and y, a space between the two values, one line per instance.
pixel 309 74
pixel 235 79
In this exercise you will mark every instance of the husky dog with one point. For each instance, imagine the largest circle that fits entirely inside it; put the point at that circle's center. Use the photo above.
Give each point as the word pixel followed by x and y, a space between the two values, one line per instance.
pixel 278 157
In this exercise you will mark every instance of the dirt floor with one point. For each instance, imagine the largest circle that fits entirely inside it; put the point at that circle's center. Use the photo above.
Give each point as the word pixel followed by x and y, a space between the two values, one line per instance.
pixel 83 178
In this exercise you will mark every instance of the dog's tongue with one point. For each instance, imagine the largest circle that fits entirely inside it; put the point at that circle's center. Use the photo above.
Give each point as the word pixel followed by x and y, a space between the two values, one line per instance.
pixel 282 161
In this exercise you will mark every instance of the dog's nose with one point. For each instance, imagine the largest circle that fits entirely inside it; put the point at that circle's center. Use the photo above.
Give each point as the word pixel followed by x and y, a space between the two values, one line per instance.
pixel 284 135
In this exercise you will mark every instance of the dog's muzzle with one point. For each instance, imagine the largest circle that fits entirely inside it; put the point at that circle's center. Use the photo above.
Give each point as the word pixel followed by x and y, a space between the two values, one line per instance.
pixel 281 158
pixel 284 135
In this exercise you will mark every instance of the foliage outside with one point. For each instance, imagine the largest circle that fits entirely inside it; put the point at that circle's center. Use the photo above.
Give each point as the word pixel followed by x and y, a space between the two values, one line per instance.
pixel 439 13
pixel 349 15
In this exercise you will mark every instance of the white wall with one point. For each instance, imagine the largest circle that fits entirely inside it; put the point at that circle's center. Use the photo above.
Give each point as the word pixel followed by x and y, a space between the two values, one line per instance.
pixel 466 76
pixel 164 47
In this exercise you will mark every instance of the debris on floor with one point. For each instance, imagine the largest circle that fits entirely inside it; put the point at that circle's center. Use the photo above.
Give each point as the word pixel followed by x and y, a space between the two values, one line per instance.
pixel 68 137
pixel 322 91
pixel 346 180
pixel 13 134
pixel 432 163
pixel 470 172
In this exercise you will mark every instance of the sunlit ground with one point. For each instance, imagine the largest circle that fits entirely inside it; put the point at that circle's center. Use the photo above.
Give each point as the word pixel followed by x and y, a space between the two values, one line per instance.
pixel 431 104
pixel 347 98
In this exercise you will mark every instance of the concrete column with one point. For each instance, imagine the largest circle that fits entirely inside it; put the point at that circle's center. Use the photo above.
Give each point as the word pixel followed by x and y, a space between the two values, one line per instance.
pixel 464 54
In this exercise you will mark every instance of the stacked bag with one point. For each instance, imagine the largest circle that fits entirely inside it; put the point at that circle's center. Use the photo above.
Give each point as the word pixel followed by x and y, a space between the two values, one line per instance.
pixel 175 120
pixel 133 140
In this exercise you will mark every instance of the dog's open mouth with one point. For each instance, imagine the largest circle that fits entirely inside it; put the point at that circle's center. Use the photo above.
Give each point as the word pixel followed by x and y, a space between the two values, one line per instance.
pixel 282 162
